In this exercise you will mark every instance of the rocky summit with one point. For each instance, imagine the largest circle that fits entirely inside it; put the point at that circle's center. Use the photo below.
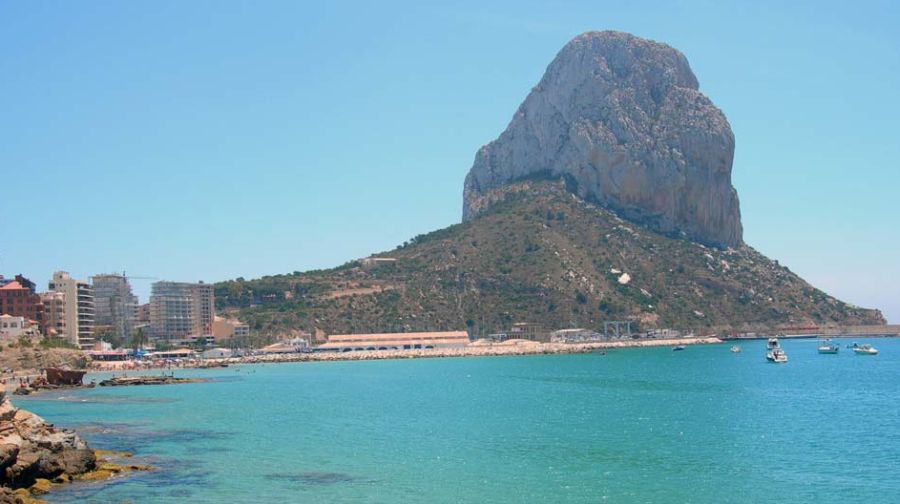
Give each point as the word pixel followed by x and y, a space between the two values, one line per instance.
pixel 621 119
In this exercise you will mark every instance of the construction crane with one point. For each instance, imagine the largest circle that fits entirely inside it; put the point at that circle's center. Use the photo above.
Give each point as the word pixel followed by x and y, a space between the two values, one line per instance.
pixel 138 277
pixel 127 277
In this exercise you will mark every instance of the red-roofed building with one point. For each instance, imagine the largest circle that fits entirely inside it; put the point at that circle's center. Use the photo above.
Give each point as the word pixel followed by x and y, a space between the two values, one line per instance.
pixel 19 299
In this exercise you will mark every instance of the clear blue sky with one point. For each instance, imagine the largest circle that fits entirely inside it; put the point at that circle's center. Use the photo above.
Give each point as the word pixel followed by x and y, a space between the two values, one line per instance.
pixel 214 139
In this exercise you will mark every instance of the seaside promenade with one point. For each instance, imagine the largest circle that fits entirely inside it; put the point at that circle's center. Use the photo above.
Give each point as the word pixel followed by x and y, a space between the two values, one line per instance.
pixel 476 349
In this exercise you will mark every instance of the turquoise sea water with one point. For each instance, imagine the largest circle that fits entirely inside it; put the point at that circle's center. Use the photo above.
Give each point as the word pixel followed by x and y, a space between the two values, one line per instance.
pixel 634 426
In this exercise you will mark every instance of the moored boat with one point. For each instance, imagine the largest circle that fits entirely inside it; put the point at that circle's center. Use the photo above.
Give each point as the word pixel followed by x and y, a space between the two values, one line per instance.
pixel 777 356
pixel 826 347
pixel 864 349
pixel 677 348
pixel 735 349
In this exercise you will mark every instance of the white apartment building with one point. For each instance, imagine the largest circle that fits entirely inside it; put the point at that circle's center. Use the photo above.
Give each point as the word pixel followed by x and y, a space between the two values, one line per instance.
pixel 54 313
pixel 79 308
pixel 181 310
pixel 115 305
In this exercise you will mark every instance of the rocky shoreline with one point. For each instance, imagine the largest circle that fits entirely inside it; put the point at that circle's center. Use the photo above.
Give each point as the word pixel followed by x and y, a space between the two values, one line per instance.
pixel 35 456
pixel 127 381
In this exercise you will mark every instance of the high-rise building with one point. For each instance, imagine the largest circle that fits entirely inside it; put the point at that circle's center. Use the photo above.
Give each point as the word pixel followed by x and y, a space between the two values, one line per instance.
pixel 79 308
pixel 54 313
pixel 19 299
pixel 180 310
pixel 115 307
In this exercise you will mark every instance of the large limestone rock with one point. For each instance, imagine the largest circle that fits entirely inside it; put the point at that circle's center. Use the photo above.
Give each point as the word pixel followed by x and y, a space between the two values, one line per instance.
pixel 622 120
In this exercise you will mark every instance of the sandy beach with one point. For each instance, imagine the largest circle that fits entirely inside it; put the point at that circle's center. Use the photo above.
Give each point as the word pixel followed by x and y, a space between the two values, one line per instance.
pixel 476 349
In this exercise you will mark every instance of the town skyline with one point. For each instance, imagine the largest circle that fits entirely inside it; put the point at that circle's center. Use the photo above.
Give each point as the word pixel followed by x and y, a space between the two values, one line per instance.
pixel 102 314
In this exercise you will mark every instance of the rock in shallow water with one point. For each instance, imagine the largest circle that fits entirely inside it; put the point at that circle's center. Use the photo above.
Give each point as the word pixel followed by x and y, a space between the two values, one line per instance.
pixel 32 450
pixel 621 118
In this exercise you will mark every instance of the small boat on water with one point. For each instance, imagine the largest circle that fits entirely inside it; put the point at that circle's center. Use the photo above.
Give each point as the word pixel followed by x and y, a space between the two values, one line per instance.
pixel 777 356
pixel 772 344
pixel 735 349
pixel 826 347
pixel 678 348
pixel 864 349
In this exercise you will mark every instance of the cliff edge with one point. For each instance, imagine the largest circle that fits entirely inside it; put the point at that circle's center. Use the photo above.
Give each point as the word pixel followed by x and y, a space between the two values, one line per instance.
pixel 622 120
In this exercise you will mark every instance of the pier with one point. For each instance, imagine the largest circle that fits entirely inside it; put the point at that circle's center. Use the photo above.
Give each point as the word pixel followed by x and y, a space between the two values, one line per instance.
pixel 870 331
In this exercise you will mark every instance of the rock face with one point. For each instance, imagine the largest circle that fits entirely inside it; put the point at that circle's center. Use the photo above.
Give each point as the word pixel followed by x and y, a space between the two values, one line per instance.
pixel 622 120
pixel 33 450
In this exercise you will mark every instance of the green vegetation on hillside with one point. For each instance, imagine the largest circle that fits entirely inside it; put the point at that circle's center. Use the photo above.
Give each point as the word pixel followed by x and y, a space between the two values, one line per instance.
pixel 541 255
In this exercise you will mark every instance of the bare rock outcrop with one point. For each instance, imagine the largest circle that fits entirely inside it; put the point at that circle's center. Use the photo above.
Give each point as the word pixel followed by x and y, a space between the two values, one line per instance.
pixel 125 381
pixel 33 451
pixel 22 358
pixel 622 120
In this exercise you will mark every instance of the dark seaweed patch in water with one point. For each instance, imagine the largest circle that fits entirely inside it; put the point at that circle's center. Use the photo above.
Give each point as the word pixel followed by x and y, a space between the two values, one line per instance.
pixel 190 435
pixel 107 427
pixel 137 437
pixel 314 478
pixel 226 379
pixel 112 436
pixel 217 449
pixel 180 492
pixel 171 478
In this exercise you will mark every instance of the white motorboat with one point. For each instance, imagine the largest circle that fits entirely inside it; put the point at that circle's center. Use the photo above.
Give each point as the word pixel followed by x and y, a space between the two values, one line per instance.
pixel 826 347
pixel 865 349
pixel 772 344
pixel 735 349
pixel 777 356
